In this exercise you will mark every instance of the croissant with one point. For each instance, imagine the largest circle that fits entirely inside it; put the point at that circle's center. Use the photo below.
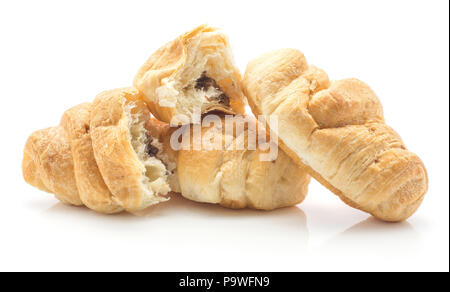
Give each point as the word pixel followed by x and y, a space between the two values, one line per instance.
pixel 105 155
pixel 236 174
pixel 337 130
pixel 191 75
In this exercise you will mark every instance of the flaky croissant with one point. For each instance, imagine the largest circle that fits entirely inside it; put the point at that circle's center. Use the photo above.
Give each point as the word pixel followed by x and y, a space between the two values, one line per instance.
pixel 104 155
pixel 338 131
pixel 194 72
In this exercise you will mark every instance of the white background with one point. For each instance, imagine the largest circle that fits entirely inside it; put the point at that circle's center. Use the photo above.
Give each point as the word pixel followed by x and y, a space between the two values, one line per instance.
pixel 55 54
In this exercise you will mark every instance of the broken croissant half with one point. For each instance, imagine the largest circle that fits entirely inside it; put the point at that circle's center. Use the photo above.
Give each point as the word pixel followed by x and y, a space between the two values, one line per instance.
pixel 105 155
pixel 191 75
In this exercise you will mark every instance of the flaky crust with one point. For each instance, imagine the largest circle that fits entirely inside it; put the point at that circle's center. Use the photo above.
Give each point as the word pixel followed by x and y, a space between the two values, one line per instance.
pixel 171 62
pixel 47 164
pixel 236 178
pixel 337 130
pixel 92 189
pixel 117 161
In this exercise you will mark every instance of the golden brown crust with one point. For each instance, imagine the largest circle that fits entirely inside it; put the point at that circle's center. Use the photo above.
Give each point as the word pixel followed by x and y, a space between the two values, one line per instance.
pixel 236 177
pixel 346 102
pixel 92 189
pixel 30 171
pixel 337 130
pixel 47 164
pixel 177 62
pixel 119 164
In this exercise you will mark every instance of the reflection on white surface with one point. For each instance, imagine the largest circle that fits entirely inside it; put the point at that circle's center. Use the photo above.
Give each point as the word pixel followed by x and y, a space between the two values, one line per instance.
pixel 375 237
pixel 192 232
pixel 180 235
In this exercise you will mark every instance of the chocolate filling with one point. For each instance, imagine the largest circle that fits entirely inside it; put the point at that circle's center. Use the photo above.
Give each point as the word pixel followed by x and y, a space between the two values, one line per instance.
pixel 150 149
pixel 204 83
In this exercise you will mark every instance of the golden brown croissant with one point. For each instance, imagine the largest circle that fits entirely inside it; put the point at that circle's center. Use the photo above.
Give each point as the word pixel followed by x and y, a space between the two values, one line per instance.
pixel 338 131
pixel 236 174
pixel 194 72
pixel 105 155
